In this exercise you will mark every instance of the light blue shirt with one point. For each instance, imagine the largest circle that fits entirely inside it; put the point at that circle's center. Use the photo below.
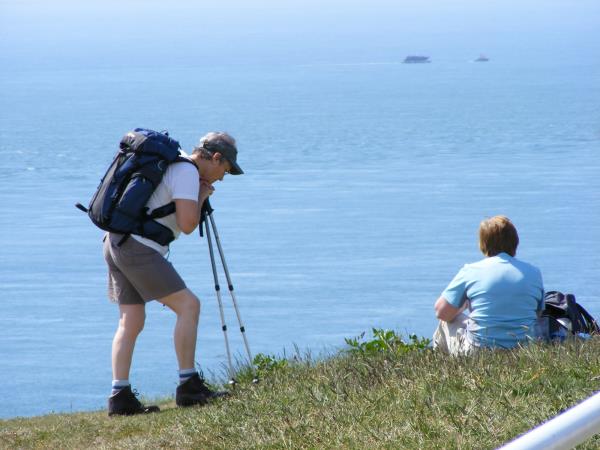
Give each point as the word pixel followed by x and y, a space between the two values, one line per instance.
pixel 504 295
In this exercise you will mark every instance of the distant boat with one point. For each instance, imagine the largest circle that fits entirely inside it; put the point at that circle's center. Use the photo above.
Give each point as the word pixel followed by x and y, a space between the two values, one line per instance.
pixel 482 58
pixel 416 59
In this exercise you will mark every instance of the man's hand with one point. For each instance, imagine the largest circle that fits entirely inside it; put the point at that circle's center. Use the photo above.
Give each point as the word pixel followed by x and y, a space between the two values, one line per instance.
pixel 206 190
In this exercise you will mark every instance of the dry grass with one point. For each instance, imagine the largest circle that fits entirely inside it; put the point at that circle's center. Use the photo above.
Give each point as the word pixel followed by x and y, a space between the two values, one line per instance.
pixel 391 399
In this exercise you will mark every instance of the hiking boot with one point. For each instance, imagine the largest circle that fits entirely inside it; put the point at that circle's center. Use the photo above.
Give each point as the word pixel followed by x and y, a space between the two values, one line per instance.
pixel 194 392
pixel 125 403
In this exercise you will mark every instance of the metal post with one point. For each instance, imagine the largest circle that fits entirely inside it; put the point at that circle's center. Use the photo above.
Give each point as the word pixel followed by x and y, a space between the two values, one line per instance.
pixel 564 431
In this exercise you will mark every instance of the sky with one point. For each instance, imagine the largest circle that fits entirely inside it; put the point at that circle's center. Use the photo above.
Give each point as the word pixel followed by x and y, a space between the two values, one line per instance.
pixel 39 33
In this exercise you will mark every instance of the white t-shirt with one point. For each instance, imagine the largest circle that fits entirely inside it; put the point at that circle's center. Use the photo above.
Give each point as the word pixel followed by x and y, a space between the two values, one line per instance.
pixel 182 182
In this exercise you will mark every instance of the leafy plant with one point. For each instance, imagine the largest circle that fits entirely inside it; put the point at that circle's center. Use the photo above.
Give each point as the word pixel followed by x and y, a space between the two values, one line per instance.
pixel 385 341
pixel 263 365
pixel 269 363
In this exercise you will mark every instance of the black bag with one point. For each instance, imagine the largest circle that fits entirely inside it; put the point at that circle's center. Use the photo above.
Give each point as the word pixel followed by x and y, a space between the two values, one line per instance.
pixel 566 316
pixel 119 203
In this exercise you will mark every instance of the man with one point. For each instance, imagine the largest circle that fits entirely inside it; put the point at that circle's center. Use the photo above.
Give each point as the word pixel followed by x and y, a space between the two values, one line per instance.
pixel 505 296
pixel 138 272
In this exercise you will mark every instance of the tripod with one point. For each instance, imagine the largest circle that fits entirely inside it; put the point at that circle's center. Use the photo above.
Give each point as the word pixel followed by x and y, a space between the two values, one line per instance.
pixel 206 217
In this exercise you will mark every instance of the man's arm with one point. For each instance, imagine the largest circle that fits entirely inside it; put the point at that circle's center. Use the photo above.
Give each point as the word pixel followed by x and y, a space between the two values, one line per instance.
pixel 187 212
pixel 445 311
pixel 187 215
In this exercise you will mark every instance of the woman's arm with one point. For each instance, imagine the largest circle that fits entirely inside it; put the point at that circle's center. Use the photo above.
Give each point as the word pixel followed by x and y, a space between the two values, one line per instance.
pixel 445 311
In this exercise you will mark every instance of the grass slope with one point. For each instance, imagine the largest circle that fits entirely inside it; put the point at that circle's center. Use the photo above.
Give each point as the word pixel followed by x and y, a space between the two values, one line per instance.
pixel 393 397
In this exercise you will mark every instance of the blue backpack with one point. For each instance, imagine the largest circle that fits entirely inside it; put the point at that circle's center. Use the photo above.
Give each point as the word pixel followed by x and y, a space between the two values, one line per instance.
pixel 119 203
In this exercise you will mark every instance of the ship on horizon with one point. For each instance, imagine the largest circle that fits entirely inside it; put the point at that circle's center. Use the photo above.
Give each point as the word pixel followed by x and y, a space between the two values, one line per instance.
pixel 414 59
pixel 482 58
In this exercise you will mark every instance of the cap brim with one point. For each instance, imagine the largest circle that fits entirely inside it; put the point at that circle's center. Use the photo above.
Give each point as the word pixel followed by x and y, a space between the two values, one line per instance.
pixel 235 169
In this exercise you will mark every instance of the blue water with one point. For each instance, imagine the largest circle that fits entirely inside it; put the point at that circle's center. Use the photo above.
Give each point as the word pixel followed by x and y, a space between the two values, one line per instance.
pixel 364 188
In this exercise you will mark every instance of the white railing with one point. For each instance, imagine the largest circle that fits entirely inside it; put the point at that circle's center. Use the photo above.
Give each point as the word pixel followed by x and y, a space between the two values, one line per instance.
pixel 564 431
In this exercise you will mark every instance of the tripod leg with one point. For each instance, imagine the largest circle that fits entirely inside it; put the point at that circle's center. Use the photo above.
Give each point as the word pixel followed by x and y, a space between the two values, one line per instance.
pixel 230 285
pixel 218 291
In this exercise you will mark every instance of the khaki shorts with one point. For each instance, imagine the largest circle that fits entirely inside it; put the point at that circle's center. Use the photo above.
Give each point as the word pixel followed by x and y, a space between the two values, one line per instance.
pixel 137 273
pixel 451 337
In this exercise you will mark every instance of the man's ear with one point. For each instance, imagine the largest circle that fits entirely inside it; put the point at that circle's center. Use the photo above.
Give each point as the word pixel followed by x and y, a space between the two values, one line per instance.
pixel 216 157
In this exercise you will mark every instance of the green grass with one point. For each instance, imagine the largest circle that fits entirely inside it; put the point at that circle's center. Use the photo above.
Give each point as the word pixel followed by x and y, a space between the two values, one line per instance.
pixel 392 394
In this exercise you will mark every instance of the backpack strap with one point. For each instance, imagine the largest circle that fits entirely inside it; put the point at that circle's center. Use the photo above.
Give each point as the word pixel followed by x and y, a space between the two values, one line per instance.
pixel 205 210
pixel 162 211
pixel 169 208
pixel 573 310
pixel 81 207
pixel 591 326
pixel 182 158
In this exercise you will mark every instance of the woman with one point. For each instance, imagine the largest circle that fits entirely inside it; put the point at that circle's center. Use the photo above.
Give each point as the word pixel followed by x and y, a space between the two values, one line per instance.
pixel 504 296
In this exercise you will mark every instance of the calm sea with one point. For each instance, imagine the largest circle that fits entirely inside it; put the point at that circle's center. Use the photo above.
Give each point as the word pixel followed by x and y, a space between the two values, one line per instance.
pixel 364 187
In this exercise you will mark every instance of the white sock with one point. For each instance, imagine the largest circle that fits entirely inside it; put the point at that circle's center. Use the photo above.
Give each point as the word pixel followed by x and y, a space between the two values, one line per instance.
pixel 186 374
pixel 117 385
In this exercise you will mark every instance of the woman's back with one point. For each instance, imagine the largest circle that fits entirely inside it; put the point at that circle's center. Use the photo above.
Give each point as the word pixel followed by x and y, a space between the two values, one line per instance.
pixel 504 295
